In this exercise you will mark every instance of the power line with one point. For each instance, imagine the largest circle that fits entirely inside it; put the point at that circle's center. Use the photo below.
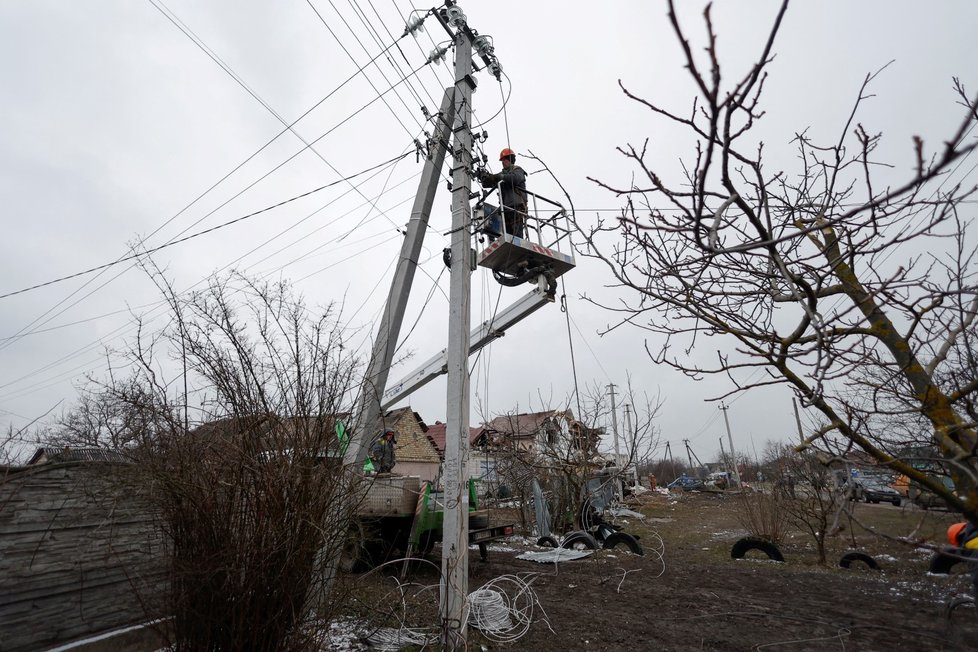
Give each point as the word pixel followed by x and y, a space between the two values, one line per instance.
pixel 118 331
pixel 9 340
pixel 153 250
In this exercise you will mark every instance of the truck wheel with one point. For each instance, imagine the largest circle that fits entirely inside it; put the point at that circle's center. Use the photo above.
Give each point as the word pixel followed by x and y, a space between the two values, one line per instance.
pixel 620 538
pixel 747 543
pixel 848 558
pixel 579 541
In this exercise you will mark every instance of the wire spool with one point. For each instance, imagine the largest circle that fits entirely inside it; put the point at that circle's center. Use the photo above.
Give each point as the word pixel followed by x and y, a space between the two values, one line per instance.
pixel 500 617
pixel 489 611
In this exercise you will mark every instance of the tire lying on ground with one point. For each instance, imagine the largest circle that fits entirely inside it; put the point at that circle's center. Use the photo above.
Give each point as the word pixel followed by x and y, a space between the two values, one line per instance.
pixel 942 562
pixel 848 558
pixel 747 544
pixel 627 540
pixel 579 539
pixel 547 542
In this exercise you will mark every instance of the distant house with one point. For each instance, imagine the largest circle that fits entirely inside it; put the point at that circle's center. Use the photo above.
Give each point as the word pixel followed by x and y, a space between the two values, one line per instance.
pixel 416 452
pixel 551 433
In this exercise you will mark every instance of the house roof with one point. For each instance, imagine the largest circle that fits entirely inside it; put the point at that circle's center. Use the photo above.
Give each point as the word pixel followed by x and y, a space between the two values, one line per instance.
pixel 436 433
pixel 52 455
pixel 523 425
pixel 413 444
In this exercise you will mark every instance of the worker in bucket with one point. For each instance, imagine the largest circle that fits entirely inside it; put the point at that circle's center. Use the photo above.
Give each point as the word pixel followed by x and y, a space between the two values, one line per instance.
pixel 964 535
pixel 512 188
pixel 382 452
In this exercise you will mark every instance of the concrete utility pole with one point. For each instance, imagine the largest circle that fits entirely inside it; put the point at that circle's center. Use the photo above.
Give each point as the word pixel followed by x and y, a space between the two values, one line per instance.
pixel 671 459
pixel 614 423
pixel 733 455
pixel 801 433
pixel 630 440
pixel 689 455
pixel 375 380
pixel 455 545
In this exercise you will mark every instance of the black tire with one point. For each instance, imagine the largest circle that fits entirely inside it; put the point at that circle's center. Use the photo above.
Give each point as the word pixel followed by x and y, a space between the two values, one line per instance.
pixel 619 538
pixel 958 602
pixel 579 538
pixel 478 521
pixel 747 544
pixel 547 542
pixel 603 531
pixel 942 563
pixel 848 558
pixel 896 502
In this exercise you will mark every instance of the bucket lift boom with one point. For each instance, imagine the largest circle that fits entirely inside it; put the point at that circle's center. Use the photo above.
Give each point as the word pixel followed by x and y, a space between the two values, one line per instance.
pixel 480 336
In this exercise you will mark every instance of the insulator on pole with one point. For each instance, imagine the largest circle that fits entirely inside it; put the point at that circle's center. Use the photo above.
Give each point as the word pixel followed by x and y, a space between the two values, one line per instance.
pixel 414 24
pixel 438 54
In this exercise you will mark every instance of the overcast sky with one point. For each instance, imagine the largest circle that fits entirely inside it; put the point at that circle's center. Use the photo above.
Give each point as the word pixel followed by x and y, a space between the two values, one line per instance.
pixel 114 122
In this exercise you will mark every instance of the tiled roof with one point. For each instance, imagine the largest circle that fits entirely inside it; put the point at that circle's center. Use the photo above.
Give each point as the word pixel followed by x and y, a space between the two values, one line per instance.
pixel 436 433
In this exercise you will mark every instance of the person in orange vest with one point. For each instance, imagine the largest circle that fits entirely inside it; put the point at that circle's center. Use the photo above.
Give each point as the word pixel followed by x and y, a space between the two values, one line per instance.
pixel 964 535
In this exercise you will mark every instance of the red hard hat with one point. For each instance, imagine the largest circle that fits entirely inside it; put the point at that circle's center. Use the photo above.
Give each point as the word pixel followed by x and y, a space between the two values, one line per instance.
pixel 954 533
pixel 506 152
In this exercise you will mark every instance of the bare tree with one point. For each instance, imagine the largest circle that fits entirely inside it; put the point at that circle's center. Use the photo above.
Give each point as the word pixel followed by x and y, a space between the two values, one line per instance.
pixel 858 295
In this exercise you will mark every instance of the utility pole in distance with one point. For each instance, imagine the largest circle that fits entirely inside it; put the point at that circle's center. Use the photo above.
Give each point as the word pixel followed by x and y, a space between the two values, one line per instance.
pixel 801 433
pixel 733 455
pixel 455 544
pixel 614 422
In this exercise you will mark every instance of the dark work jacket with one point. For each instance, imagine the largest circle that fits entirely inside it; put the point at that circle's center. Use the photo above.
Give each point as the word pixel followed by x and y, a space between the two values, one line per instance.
pixel 512 183
pixel 383 456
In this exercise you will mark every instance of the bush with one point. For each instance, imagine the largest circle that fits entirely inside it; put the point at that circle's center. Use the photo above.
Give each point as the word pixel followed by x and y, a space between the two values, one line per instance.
pixel 763 516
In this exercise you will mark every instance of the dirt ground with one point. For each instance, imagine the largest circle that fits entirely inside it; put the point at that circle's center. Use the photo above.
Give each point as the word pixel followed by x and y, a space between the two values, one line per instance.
pixel 695 597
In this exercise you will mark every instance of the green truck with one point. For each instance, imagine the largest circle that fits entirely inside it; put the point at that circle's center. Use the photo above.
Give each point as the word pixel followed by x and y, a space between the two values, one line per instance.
pixel 400 516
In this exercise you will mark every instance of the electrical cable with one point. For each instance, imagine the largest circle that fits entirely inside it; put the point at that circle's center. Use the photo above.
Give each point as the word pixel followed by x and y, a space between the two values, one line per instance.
pixel 9 340
pixel 353 59
pixel 154 306
pixel 153 250
pixel 193 37
pixel 378 40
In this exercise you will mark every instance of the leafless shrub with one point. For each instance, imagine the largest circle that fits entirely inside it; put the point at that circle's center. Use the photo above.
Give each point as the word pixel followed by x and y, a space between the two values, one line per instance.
pixel 809 494
pixel 763 515
pixel 251 496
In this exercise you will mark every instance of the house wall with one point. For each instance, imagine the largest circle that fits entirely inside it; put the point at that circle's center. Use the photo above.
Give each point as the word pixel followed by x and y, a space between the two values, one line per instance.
pixel 424 470
pixel 79 554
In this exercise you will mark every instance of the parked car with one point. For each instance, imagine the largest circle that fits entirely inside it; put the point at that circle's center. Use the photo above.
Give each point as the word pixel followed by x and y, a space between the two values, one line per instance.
pixel 685 483
pixel 875 492
pixel 927 499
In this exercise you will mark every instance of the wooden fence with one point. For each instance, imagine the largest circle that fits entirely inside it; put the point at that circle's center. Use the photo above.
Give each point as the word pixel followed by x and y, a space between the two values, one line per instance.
pixel 79 553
